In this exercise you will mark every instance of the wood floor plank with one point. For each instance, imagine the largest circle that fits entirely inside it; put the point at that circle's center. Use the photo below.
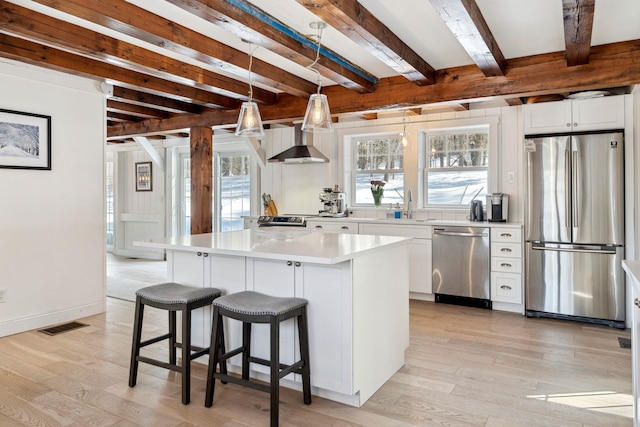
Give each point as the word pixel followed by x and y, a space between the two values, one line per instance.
pixel 464 367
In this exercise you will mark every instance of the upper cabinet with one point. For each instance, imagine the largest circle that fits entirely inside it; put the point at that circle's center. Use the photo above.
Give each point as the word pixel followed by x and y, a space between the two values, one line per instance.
pixel 574 115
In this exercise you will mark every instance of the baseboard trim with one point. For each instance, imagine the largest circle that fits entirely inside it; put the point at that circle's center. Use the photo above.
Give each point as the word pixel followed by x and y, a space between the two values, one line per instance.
pixel 44 320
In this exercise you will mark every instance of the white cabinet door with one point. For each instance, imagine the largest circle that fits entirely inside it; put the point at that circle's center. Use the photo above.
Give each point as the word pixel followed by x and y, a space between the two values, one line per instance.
pixel 506 287
pixel 202 269
pixel 333 227
pixel 328 288
pixel 275 278
pixel 602 113
pixel 547 117
pixel 419 251
pixel 635 354
pixel 189 268
pixel 575 115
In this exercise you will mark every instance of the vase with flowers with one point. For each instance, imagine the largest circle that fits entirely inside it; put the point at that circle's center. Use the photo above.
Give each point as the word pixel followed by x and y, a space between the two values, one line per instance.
pixel 377 190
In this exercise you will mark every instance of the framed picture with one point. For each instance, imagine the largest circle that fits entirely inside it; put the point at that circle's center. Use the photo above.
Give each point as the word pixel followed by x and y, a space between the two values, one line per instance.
pixel 143 176
pixel 25 140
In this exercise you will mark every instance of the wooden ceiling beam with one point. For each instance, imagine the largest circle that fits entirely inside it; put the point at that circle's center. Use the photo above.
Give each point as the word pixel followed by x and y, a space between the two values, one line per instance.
pixel 358 24
pixel 26 23
pixel 135 110
pixel 126 18
pixel 136 97
pixel 250 23
pixel 30 52
pixel 513 101
pixel 578 25
pixel 464 19
pixel 617 64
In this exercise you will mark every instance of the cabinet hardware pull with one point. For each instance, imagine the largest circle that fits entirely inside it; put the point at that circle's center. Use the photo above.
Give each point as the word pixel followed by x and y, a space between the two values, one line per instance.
pixel 344 227
pixel 508 288
pixel 318 226
pixel 205 254
pixel 505 250
pixel 199 253
pixel 575 124
pixel 505 235
pixel 297 264
pixel 637 302
pixel 568 125
pixel 504 264
pixel 289 263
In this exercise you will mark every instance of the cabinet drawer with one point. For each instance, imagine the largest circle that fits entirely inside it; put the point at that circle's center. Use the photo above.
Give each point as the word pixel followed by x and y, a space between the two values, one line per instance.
pixel 507 265
pixel 417 231
pixel 506 287
pixel 509 250
pixel 513 235
pixel 333 227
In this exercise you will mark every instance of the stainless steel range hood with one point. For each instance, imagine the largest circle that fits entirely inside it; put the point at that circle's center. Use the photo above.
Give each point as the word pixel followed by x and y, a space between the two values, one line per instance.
pixel 303 150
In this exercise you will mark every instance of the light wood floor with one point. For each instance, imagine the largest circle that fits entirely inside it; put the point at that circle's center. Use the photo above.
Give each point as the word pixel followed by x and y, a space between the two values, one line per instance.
pixel 464 367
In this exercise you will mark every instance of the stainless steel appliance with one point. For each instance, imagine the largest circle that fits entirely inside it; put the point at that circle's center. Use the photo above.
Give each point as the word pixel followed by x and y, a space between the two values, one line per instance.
pixel 288 221
pixel 476 213
pixel 497 207
pixel 461 265
pixel 575 227
pixel 334 202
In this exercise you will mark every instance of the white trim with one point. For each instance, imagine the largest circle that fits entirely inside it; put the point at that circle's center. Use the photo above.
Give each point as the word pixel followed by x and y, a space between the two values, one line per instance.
pixel 24 324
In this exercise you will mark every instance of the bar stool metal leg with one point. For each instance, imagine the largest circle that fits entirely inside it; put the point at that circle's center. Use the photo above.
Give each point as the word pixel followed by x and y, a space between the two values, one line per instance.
pixel 135 346
pixel 186 354
pixel 303 337
pixel 275 371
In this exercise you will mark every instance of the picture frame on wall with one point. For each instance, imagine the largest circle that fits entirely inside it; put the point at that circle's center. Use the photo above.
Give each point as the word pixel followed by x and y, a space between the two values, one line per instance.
pixel 143 176
pixel 25 140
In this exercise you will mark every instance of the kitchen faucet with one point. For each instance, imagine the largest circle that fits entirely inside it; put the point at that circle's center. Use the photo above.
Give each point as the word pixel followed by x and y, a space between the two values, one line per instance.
pixel 409 199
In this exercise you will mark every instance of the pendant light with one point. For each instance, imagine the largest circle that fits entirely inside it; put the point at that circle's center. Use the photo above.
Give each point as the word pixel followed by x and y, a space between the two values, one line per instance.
pixel 317 118
pixel 249 121
pixel 405 135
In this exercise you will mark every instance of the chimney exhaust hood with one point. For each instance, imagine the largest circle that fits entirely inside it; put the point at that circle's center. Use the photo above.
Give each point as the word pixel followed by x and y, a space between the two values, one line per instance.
pixel 303 151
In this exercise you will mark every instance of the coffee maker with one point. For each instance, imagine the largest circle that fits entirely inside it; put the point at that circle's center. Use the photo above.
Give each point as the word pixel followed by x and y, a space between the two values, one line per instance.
pixel 497 207
pixel 334 201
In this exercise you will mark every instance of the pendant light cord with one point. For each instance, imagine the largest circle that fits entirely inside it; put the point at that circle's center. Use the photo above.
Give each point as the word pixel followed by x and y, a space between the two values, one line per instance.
pixel 251 50
pixel 310 66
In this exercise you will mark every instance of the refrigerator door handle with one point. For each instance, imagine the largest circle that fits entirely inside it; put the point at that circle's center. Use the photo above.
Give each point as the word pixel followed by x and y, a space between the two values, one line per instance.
pixel 576 187
pixel 567 194
pixel 611 251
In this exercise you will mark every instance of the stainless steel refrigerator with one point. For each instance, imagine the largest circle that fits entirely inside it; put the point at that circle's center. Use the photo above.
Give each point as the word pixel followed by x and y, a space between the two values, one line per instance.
pixel 575 227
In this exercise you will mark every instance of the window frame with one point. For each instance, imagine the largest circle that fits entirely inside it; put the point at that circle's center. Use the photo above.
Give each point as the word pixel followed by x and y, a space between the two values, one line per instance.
pixel 351 171
pixel 457 126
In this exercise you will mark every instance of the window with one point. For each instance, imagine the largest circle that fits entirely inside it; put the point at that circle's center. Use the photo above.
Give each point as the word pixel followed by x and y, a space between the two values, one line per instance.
pixel 234 187
pixel 456 165
pixel 110 198
pixel 378 158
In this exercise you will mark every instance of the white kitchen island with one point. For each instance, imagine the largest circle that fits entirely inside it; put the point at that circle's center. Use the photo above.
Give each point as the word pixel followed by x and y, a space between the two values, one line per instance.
pixel 357 287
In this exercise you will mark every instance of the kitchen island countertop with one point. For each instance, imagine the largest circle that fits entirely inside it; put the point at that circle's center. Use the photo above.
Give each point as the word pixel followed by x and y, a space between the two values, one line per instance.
pixel 281 243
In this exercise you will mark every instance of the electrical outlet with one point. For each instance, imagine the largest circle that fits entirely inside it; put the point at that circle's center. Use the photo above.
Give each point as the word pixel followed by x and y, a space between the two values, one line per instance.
pixel 511 177
pixel 3 295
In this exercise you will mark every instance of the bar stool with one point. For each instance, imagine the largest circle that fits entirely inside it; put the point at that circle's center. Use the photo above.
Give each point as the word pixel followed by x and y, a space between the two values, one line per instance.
pixel 253 307
pixel 172 297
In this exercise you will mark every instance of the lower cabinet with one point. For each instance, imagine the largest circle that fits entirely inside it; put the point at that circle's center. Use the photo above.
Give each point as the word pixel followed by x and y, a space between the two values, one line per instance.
pixel 506 268
pixel 419 252
pixel 333 226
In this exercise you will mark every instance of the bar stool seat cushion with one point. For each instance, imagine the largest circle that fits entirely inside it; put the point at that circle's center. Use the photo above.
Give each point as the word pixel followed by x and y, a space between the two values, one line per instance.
pixel 255 303
pixel 174 293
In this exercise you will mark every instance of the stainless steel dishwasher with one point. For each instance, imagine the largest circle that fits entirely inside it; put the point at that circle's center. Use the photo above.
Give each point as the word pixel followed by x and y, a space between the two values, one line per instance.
pixel 461 266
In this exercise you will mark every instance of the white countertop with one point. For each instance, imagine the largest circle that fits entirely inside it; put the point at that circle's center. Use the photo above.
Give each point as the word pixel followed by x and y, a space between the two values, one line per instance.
pixel 281 243
pixel 434 222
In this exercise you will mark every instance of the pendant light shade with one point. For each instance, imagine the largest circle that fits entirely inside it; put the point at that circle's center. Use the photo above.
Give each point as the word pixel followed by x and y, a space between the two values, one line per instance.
pixel 249 121
pixel 317 118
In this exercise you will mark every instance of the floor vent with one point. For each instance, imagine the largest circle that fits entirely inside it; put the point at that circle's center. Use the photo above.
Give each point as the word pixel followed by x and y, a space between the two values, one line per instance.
pixel 624 342
pixel 65 327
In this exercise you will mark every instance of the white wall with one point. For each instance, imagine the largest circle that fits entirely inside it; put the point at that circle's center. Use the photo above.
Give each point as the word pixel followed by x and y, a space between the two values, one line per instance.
pixel 295 188
pixel 52 223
